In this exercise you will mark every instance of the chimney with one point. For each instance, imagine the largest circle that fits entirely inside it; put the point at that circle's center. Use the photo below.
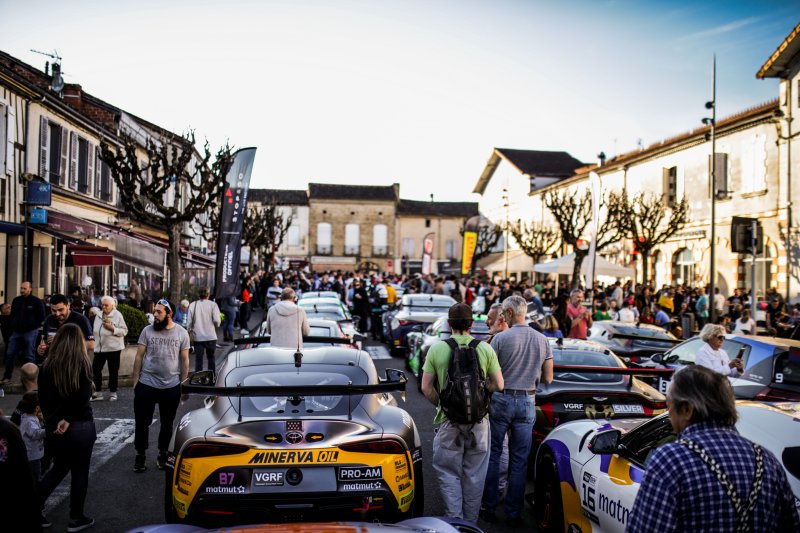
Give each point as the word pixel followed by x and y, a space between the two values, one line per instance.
pixel 601 157
pixel 72 95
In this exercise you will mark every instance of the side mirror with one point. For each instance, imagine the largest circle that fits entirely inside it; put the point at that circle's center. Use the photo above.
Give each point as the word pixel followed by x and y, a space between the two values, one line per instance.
pixel 356 318
pixel 605 442
pixel 204 378
pixel 658 358
pixel 395 376
pixel 358 337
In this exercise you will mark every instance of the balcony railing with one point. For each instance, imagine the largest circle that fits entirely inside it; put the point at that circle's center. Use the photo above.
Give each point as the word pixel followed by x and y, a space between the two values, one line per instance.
pixel 352 250
pixel 324 249
pixel 380 251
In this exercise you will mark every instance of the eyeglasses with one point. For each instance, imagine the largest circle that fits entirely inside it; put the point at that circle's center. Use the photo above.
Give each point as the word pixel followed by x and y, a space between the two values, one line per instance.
pixel 720 337
pixel 164 303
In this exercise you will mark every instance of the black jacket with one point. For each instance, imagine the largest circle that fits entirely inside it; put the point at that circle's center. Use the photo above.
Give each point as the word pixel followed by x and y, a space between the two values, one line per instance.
pixel 27 313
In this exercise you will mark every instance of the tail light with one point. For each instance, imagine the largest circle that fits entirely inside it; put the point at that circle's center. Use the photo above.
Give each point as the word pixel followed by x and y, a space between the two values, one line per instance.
pixel 213 450
pixel 407 322
pixel 374 446
pixel 659 405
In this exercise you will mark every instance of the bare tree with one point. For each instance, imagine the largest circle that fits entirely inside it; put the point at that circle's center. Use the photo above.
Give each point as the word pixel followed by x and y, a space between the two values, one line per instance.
pixel 170 188
pixel 645 220
pixel 573 214
pixel 534 239
pixel 265 229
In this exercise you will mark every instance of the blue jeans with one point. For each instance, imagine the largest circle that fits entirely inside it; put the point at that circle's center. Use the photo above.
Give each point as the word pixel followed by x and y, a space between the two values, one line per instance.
pixel 22 345
pixel 514 414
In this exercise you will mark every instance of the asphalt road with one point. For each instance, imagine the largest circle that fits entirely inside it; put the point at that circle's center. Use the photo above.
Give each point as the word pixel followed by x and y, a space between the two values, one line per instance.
pixel 120 500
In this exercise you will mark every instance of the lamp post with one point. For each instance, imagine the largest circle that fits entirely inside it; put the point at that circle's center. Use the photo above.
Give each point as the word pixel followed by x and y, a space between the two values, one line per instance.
pixel 712 105
pixel 505 238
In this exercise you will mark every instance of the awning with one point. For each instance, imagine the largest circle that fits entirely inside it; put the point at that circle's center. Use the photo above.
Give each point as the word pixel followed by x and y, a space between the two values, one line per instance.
pixel 88 255
pixel 11 228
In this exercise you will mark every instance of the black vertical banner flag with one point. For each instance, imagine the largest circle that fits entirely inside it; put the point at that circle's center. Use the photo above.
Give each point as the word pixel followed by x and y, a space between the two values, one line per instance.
pixel 231 221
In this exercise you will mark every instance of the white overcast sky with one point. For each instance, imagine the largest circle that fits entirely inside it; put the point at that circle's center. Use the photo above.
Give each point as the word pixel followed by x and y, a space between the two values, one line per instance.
pixel 414 91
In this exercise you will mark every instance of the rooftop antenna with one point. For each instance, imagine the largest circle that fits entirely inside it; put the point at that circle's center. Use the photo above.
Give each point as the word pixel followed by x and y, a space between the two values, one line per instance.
pixel 57 81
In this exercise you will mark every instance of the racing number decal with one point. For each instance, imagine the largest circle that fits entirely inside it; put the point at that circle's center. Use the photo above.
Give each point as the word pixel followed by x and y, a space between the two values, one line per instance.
pixel 588 496
pixel 779 377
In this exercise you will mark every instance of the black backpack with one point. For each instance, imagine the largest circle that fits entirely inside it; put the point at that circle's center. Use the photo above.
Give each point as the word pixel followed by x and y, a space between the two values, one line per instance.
pixel 464 397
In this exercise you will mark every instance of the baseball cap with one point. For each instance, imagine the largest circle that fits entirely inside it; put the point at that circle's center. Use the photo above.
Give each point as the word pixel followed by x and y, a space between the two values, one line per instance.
pixel 460 311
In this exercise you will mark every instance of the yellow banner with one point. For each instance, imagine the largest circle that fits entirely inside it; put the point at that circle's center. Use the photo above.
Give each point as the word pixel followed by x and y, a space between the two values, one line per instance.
pixel 470 243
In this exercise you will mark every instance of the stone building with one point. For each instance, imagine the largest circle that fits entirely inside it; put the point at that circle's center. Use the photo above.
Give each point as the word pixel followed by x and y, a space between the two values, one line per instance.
pixel 293 251
pixel 352 226
pixel 445 220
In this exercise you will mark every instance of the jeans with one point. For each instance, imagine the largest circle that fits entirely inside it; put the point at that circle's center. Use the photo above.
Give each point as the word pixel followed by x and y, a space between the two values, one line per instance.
pixel 460 459
pixel 145 399
pixel 22 345
pixel 514 414
pixel 98 363
pixel 204 347
pixel 72 453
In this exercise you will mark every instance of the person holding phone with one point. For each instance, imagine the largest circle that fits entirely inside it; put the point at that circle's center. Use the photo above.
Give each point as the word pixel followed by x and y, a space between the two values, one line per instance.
pixel 578 317
pixel 712 356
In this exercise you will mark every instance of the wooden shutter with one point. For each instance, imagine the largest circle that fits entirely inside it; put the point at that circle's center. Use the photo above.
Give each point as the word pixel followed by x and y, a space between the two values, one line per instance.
pixel 73 160
pixel 11 139
pixel 90 159
pixel 97 171
pixel 64 166
pixel 44 148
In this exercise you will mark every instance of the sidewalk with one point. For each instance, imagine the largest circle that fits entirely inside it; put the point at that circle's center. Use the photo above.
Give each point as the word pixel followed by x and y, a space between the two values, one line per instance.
pixel 129 354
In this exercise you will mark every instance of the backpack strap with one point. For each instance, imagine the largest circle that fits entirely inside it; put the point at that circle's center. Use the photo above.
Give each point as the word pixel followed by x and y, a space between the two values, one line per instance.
pixel 743 509
pixel 451 342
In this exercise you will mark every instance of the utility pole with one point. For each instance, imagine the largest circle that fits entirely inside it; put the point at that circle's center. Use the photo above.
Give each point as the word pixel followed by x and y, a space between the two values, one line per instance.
pixel 505 239
pixel 712 105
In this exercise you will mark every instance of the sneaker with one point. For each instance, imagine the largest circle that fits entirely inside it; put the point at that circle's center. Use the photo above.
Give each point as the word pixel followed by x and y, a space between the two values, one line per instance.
pixel 79 524
pixel 139 463
pixel 113 397
pixel 45 523
pixel 96 397
pixel 161 460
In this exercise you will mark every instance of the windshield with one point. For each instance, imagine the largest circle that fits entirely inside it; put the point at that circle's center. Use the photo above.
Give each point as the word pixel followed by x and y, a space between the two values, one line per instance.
pixel 585 358
pixel 329 313
pixel 649 333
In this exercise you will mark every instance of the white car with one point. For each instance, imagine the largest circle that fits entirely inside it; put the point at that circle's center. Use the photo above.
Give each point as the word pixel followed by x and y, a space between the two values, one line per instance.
pixel 579 489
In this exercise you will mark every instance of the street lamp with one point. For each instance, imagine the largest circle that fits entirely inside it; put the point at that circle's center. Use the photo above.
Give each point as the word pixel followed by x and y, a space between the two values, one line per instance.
pixel 712 105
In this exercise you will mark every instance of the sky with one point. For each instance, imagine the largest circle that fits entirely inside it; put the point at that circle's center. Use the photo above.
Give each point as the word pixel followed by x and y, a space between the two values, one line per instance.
pixel 415 92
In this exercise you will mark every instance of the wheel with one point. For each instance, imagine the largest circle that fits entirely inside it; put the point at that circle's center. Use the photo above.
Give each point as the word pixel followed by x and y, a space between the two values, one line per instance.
pixel 170 516
pixel 547 504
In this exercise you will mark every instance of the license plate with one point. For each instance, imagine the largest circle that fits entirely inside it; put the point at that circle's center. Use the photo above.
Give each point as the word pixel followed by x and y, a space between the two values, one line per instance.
pixel 625 409
pixel 360 472
pixel 267 478
pixel 663 385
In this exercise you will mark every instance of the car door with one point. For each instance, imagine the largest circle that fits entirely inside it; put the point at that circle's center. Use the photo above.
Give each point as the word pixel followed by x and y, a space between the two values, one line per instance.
pixel 609 483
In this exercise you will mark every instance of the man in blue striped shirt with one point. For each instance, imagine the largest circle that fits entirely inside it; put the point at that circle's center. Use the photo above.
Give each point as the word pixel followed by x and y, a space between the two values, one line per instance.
pixel 711 478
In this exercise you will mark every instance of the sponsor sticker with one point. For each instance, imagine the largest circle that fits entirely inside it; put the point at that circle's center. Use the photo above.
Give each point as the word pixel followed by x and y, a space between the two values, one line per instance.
pixel 416 455
pixel 268 478
pixel 573 406
pixel 360 472
pixel 404 486
pixel 362 485
pixel 294 457
pixel 628 409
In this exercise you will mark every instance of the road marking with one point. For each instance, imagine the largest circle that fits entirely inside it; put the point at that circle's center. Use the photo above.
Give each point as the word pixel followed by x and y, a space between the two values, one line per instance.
pixel 109 442
pixel 378 352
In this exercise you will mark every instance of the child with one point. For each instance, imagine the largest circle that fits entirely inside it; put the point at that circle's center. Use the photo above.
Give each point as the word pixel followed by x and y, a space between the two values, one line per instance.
pixel 33 431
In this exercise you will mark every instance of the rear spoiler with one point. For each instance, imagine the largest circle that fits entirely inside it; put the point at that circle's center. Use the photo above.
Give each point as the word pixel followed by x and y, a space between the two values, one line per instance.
pixel 663 372
pixel 201 383
pixel 642 337
pixel 265 339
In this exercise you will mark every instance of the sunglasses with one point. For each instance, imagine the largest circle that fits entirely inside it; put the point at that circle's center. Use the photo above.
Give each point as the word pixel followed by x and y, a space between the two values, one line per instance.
pixel 164 303
pixel 720 337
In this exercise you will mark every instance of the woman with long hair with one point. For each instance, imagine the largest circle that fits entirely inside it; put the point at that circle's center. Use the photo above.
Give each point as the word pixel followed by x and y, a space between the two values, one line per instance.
pixel 65 387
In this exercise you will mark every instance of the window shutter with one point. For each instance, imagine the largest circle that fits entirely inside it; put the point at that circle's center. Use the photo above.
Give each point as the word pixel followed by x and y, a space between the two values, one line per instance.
pixel 44 148
pixel 721 173
pixel 73 160
pixel 97 173
pixel 64 145
pixel 90 169
pixel 11 139
pixel 670 185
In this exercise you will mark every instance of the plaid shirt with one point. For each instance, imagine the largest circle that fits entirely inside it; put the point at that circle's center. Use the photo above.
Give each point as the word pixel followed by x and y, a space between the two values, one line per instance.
pixel 679 491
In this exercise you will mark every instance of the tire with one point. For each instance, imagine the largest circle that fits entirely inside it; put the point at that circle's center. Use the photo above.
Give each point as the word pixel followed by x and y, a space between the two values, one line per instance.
pixel 548 508
pixel 170 516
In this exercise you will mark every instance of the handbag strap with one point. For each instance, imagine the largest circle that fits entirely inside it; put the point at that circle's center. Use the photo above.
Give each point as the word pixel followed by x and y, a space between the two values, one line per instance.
pixel 191 323
pixel 743 510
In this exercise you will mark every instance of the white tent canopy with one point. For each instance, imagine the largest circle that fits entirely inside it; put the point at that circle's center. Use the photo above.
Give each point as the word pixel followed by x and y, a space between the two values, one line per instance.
pixel 565 264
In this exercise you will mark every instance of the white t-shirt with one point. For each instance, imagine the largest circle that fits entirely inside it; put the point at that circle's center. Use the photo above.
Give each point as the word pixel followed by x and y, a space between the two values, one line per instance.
pixel 627 316
pixel 744 328
pixel 716 360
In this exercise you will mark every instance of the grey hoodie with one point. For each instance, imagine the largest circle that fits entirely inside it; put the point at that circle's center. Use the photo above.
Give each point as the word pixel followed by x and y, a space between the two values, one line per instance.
pixel 287 323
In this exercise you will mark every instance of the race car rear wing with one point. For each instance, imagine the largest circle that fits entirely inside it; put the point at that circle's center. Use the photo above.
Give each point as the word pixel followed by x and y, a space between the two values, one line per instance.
pixel 643 338
pixel 265 339
pixel 662 372
pixel 202 382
